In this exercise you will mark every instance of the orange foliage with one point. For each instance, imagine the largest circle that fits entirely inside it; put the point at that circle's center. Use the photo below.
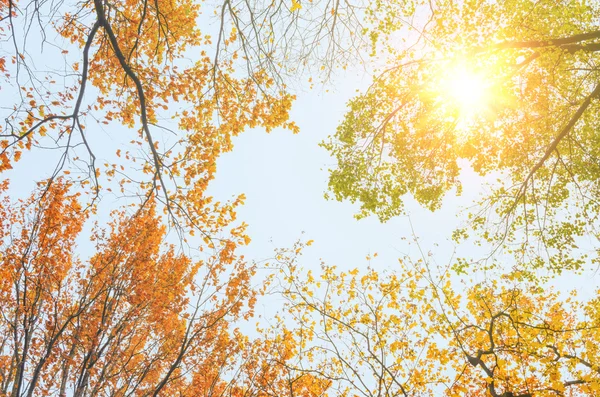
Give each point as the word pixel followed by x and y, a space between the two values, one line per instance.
pixel 136 318
pixel 132 68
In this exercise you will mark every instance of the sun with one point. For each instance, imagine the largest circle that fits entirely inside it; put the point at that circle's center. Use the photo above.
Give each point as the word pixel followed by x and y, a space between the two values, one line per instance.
pixel 466 90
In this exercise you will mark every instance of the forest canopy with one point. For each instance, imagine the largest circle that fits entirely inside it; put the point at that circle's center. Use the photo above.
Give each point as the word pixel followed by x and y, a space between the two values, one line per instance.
pixel 123 274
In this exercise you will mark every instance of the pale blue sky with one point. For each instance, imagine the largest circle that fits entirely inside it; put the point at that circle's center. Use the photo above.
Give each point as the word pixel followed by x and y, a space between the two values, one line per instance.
pixel 284 177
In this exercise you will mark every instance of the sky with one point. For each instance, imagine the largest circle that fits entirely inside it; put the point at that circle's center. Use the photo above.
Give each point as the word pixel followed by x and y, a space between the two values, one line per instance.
pixel 284 177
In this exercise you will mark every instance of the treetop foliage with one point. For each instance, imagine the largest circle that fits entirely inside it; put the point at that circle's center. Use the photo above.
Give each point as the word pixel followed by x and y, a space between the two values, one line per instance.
pixel 534 126
pixel 510 89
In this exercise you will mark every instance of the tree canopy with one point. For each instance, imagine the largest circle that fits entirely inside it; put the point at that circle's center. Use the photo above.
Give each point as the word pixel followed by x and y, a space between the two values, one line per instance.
pixel 138 99
pixel 415 330
pixel 178 84
pixel 509 89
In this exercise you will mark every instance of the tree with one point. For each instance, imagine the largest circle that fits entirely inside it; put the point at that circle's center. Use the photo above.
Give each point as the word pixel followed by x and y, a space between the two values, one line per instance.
pixel 134 318
pixel 137 317
pixel 180 87
pixel 417 330
pixel 510 89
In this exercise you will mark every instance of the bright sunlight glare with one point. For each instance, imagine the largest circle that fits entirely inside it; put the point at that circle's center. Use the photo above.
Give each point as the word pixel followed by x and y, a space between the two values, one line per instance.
pixel 467 90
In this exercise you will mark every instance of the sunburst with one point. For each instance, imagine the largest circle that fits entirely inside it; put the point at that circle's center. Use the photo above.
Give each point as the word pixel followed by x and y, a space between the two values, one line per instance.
pixel 466 90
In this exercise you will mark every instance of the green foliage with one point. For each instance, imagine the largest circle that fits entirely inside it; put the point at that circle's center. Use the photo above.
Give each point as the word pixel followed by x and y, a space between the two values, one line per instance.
pixel 535 125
